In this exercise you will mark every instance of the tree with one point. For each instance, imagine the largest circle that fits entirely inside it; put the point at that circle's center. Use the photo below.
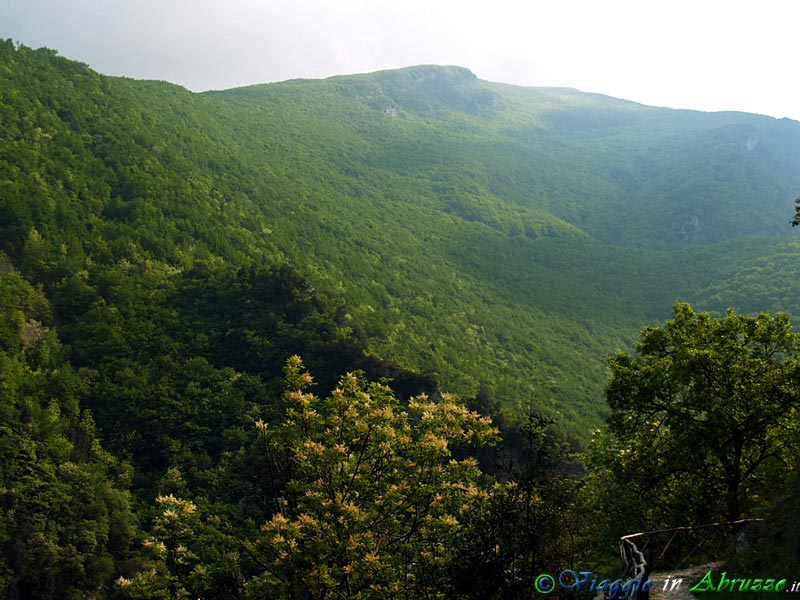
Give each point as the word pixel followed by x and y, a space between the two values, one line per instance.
pixel 523 527
pixel 375 495
pixel 185 556
pixel 704 418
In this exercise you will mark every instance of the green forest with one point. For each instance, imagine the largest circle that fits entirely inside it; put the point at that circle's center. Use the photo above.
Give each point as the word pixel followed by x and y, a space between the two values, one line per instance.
pixel 400 335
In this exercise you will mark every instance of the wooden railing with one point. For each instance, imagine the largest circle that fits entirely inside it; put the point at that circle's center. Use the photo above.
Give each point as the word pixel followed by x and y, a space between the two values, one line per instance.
pixel 644 553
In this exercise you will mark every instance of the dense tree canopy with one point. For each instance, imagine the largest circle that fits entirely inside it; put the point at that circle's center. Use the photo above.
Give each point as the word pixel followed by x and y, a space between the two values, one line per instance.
pixel 66 523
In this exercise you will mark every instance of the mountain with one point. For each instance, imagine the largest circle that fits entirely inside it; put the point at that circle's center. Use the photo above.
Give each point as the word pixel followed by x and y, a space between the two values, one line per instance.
pixel 546 226
pixel 488 236
pixel 163 254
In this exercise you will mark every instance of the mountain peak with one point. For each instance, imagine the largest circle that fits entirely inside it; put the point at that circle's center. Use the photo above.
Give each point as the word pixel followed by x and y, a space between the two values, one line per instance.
pixel 425 90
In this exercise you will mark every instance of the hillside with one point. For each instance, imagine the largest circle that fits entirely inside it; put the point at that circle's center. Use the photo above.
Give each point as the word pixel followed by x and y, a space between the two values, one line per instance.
pixel 545 226
pixel 166 256
pixel 479 233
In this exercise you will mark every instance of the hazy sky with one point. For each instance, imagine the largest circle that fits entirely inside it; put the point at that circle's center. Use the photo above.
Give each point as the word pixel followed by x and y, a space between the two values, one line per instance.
pixel 701 54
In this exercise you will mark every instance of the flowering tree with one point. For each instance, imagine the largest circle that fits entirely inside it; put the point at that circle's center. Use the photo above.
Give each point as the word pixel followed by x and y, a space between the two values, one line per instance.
pixel 173 566
pixel 376 493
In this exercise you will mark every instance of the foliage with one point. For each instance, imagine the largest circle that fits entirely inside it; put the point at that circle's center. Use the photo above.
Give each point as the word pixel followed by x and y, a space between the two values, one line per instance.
pixel 186 557
pixel 65 517
pixel 703 420
pixel 772 546
pixel 372 497
pixel 376 494
pixel 528 525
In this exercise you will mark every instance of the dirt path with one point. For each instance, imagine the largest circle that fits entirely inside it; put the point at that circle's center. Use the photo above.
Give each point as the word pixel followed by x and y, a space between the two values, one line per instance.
pixel 689 575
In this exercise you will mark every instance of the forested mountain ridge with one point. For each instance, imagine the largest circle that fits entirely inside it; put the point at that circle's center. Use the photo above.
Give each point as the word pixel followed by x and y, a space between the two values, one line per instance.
pixel 530 207
pixel 484 233
pixel 530 195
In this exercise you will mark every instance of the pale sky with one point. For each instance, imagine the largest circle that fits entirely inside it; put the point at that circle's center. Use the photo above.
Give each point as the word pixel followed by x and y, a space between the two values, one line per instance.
pixel 698 54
